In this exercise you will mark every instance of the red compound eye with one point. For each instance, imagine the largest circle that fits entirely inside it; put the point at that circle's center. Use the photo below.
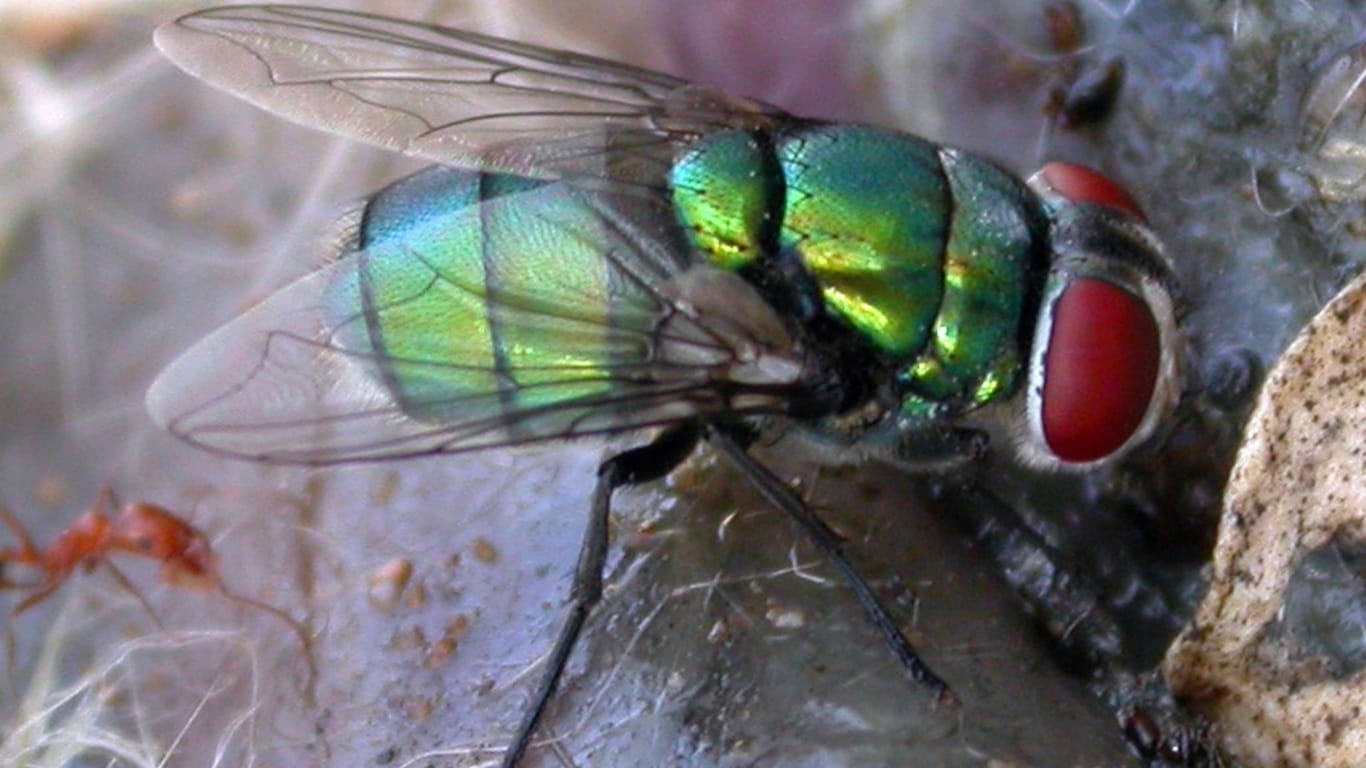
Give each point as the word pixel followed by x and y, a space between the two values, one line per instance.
pixel 1083 185
pixel 1101 366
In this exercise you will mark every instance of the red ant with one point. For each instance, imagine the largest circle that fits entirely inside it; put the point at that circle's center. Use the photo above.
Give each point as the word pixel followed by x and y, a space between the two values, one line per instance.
pixel 139 528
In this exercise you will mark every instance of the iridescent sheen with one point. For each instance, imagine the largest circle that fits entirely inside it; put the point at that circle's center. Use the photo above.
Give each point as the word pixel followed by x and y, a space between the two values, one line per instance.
pixel 728 190
pixel 867 213
pixel 995 246
pixel 470 283
pixel 928 255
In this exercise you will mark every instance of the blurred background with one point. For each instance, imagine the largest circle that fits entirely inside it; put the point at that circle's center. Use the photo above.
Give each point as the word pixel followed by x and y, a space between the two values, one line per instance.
pixel 140 209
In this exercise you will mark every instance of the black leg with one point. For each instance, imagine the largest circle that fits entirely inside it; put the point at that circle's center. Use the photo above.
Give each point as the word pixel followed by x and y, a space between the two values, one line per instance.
pixel 637 465
pixel 1067 602
pixel 1072 607
pixel 778 494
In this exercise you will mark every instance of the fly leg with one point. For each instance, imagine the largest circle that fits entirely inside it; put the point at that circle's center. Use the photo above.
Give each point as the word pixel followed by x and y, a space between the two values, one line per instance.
pixel 1072 607
pixel 1064 598
pixel 638 465
pixel 779 495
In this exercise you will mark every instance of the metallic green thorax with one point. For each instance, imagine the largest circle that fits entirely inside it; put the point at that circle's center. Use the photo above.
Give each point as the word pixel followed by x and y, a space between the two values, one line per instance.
pixel 926 253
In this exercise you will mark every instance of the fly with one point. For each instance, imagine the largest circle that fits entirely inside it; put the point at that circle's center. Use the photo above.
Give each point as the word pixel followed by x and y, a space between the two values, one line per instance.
pixel 603 249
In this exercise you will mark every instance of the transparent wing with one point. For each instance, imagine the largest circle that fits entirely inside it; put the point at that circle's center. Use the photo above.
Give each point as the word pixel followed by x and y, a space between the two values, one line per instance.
pixel 558 324
pixel 446 95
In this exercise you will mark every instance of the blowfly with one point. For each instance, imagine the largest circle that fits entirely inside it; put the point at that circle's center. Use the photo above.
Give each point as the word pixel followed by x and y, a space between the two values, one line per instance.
pixel 602 249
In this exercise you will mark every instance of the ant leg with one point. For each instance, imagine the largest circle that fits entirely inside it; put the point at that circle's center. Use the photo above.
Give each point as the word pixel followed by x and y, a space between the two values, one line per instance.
pixel 779 495
pixel 106 502
pixel 305 640
pixel 28 553
pixel 638 465
pixel 130 588
pixel 43 590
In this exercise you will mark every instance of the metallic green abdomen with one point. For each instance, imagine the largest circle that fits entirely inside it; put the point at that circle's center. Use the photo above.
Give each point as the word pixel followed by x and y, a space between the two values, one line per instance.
pixel 927 254
pixel 477 294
